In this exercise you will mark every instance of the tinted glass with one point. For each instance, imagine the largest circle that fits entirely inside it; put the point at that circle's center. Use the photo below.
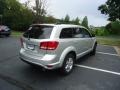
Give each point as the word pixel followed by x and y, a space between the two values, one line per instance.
pixel 85 33
pixel 77 33
pixel 66 33
pixel 38 32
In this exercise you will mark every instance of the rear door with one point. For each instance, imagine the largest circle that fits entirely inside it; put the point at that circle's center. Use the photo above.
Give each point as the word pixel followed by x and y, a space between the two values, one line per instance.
pixel 34 36
pixel 67 39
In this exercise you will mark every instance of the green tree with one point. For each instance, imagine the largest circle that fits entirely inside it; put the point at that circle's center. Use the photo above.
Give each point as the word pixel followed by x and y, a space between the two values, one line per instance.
pixel 112 9
pixel 50 19
pixel 67 19
pixel 85 22
pixel 77 21
pixel 2 6
pixel 40 10
pixel 11 12
pixel 114 27
pixel 16 15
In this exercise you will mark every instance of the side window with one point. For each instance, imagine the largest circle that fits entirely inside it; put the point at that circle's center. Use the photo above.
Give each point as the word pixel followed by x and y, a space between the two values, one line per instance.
pixel 66 33
pixel 77 33
pixel 86 34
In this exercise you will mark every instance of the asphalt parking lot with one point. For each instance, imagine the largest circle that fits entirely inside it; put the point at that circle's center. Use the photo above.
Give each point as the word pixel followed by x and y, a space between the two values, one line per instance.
pixel 99 72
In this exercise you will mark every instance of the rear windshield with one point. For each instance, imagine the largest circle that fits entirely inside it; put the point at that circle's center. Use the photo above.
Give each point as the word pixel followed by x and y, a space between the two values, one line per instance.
pixel 38 32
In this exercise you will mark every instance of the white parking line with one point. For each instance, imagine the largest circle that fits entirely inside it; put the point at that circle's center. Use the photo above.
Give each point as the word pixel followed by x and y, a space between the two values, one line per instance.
pixel 97 69
pixel 108 53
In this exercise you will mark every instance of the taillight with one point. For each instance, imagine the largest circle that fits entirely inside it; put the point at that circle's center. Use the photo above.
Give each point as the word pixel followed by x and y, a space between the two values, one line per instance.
pixel 21 41
pixel 49 45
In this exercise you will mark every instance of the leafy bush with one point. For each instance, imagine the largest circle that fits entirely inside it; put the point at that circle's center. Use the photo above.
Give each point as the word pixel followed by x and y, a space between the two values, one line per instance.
pixel 114 27
pixel 101 32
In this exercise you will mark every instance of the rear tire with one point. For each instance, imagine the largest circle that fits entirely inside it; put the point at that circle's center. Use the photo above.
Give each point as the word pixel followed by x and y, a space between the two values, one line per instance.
pixel 93 52
pixel 68 64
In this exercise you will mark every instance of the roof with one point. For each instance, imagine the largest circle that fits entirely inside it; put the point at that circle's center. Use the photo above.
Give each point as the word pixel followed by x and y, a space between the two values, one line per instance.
pixel 61 25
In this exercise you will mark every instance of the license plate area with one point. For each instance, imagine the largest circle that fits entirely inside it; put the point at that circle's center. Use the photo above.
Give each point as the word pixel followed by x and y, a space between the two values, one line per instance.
pixel 30 46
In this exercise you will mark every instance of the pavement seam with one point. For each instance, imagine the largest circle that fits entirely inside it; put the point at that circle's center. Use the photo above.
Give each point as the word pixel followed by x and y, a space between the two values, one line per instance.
pixel 16 83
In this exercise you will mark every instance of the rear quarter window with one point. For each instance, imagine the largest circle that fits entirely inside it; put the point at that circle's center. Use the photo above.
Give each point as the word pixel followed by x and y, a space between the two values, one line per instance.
pixel 38 32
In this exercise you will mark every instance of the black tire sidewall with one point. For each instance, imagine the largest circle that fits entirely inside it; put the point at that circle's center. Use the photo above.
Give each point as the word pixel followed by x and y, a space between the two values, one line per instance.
pixel 63 70
pixel 94 49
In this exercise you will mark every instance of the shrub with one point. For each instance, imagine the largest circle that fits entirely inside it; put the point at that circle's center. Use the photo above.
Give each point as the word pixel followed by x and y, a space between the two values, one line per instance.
pixel 114 27
pixel 101 32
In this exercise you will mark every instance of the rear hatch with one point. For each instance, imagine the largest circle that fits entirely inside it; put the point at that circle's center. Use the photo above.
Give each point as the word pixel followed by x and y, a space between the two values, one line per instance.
pixel 33 37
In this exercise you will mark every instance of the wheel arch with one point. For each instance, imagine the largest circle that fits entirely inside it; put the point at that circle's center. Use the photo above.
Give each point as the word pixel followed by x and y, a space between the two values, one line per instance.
pixel 66 52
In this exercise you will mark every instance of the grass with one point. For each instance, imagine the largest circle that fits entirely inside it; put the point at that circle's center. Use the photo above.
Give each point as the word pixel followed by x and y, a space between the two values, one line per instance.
pixel 17 33
pixel 109 40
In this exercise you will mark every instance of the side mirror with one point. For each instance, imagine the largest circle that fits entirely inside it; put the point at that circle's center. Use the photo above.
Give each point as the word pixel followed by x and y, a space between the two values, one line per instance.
pixel 93 35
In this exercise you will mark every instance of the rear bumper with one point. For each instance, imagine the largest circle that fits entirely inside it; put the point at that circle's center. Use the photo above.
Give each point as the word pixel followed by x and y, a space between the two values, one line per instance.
pixel 46 61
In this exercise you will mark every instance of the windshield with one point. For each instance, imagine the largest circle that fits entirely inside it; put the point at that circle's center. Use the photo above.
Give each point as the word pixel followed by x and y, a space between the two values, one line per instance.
pixel 38 32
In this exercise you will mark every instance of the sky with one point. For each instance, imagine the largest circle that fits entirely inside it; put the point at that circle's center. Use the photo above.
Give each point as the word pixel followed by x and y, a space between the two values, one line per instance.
pixel 77 8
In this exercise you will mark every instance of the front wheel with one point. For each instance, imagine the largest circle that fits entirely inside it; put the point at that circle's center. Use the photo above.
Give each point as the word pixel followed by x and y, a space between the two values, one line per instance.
pixel 68 64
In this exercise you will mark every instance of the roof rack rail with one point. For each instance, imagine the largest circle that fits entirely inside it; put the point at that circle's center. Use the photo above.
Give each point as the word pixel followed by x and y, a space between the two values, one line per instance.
pixel 57 23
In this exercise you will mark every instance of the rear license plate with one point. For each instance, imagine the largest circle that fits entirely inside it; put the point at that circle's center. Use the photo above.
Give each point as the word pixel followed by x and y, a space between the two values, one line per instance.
pixel 30 46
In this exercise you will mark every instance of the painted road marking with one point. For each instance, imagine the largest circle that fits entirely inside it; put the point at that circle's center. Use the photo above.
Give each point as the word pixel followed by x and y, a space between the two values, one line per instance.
pixel 108 53
pixel 98 69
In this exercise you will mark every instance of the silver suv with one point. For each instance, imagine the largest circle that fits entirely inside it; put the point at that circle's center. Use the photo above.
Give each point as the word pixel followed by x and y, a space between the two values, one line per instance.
pixel 55 46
